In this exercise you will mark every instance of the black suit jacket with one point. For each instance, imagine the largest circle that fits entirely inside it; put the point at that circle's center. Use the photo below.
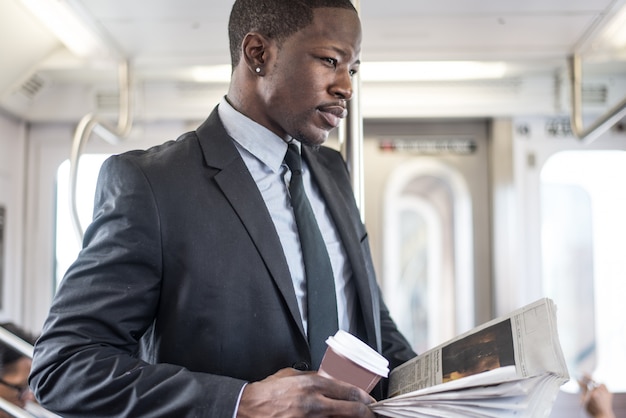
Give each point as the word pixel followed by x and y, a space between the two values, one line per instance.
pixel 182 291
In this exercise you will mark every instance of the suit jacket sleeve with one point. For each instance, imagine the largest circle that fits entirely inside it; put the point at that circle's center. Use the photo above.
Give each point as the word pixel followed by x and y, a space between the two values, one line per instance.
pixel 87 361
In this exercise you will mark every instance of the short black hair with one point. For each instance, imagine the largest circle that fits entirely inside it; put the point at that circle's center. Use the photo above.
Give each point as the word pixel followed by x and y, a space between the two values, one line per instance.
pixel 276 19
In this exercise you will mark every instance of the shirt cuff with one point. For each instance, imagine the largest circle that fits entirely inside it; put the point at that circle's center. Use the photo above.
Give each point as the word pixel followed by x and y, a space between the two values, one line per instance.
pixel 238 400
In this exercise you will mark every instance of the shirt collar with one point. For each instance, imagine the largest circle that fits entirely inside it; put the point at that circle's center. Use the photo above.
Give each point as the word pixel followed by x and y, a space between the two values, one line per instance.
pixel 259 141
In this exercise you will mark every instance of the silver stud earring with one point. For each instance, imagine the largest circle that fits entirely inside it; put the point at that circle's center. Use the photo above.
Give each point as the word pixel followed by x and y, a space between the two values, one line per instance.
pixel 258 70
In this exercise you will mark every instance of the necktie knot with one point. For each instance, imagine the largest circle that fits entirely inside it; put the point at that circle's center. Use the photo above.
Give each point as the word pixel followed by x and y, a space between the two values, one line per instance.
pixel 293 159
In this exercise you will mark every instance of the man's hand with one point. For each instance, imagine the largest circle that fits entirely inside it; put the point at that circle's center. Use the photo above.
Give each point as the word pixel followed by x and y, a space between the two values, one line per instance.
pixel 596 398
pixel 291 393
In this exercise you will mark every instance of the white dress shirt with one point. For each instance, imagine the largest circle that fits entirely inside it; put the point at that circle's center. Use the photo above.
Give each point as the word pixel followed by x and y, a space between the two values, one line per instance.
pixel 263 153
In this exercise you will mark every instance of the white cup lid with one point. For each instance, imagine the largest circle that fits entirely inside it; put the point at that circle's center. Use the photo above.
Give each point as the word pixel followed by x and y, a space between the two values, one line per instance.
pixel 350 347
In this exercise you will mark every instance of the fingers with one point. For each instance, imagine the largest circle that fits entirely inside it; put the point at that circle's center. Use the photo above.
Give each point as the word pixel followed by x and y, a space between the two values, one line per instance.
pixel 339 390
pixel 596 398
pixel 331 388
pixel 586 383
pixel 290 393
pixel 601 393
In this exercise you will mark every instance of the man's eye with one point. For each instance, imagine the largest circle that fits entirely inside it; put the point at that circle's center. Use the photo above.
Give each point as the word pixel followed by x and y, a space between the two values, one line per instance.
pixel 353 72
pixel 331 61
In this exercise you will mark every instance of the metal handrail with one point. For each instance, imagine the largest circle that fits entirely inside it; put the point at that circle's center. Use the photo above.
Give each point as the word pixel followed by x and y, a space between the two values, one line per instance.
pixel 14 410
pixel 26 349
pixel 602 123
pixel 16 342
pixel 89 124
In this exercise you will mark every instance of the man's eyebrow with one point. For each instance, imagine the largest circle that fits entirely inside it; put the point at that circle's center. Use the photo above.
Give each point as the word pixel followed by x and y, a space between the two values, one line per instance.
pixel 343 53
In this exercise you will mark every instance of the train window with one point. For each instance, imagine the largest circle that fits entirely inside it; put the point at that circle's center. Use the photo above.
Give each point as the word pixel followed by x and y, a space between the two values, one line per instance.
pixel 67 243
pixel 583 237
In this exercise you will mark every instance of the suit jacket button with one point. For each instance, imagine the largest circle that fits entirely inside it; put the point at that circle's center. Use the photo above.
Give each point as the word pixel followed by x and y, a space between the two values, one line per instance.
pixel 303 366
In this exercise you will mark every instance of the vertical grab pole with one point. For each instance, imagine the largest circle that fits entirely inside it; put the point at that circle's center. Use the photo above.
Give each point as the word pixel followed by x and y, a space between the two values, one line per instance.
pixel 351 138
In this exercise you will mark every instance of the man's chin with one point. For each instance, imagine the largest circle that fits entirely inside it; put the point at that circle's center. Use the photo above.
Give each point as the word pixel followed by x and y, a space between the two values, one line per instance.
pixel 312 141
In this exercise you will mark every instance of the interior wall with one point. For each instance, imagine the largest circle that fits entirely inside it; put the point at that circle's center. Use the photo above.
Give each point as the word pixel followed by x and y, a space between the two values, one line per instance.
pixel 12 169
pixel 504 246
pixel 49 145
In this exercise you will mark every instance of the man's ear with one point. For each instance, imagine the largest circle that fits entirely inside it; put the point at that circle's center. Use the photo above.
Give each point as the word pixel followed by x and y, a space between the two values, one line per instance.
pixel 256 52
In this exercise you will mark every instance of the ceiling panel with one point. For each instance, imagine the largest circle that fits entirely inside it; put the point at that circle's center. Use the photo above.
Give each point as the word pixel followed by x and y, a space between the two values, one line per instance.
pixel 172 38
pixel 194 31
pixel 475 37
pixel 164 39
pixel 202 10
pixel 481 7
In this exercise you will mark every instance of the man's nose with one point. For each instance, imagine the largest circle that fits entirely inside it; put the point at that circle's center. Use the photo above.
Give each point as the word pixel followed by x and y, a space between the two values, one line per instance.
pixel 343 86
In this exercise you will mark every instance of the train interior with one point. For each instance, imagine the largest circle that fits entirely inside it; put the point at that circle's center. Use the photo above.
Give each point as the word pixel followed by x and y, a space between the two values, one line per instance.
pixel 487 145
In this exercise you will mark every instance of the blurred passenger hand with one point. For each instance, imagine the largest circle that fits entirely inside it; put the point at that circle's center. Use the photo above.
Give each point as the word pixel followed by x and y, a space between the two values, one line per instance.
pixel 596 398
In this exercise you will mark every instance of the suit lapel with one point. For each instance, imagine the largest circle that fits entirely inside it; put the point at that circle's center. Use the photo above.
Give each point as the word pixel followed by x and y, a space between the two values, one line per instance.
pixel 241 191
pixel 239 188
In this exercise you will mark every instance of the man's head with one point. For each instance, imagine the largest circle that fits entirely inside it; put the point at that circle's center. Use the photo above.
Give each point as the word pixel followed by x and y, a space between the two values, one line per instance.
pixel 293 63
pixel 276 19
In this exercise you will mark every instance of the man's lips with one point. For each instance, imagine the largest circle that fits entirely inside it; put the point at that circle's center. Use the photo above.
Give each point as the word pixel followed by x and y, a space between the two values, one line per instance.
pixel 333 114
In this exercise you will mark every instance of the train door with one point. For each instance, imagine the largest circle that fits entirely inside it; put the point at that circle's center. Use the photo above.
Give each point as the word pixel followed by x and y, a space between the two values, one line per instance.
pixel 572 203
pixel 427 212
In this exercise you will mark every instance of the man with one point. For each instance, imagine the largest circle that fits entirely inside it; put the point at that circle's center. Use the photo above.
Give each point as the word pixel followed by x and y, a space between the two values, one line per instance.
pixel 189 297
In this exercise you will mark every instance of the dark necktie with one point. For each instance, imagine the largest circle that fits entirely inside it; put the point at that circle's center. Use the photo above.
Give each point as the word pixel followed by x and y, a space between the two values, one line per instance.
pixel 320 284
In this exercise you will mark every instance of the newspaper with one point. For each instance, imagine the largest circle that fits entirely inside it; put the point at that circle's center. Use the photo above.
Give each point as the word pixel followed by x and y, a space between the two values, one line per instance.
pixel 509 367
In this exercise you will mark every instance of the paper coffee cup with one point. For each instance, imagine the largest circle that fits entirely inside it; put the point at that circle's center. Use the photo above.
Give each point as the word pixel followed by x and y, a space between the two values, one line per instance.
pixel 351 360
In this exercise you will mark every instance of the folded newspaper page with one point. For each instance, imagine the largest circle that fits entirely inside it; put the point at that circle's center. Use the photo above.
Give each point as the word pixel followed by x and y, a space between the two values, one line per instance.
pixel 512 366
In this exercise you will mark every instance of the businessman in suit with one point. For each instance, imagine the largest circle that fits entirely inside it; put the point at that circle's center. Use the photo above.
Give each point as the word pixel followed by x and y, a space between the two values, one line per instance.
pixel 189 296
